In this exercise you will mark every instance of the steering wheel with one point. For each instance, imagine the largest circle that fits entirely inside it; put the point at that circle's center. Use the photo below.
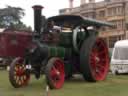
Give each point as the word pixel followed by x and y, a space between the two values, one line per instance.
pixel 77 40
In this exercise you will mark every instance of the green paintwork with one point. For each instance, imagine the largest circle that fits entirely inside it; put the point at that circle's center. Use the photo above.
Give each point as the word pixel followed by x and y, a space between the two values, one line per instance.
pixel 61 53
pixel 56 51
pixel 65 39
pixel 68 69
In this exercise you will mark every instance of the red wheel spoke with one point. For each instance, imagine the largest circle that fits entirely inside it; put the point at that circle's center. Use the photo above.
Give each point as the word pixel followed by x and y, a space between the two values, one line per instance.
pixel 56 73
pixel 92 55
pixel 92 60
pixel 100 69
pixel 18 76
pixel 99 60
pixel 102 52
pixel 103 60
pixel 53 71
pixel 58 64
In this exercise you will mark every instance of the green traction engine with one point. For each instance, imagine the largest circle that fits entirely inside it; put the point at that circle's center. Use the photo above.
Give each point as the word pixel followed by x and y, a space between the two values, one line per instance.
pixel 62 46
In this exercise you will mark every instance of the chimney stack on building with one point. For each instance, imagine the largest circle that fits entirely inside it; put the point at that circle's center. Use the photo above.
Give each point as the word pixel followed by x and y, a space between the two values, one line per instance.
pixel 91 1
pixel 82 2
pixel 70 3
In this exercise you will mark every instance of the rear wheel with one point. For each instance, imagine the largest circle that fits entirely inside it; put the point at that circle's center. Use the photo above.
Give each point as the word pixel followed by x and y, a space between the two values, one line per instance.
pixel 94 59
pixel 17 73
pixel 55 73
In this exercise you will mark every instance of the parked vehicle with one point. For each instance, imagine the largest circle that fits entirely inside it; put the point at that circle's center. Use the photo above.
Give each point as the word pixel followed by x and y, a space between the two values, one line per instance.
pixel 13 44
pixel 64 47
pixel 119 60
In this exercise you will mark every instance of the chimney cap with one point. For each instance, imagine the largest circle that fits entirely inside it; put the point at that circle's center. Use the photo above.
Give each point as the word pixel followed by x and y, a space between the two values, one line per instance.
pixel 37 7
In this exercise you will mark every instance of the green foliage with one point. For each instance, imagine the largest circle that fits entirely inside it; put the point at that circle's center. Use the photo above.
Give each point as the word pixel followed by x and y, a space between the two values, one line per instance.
pixel 10 17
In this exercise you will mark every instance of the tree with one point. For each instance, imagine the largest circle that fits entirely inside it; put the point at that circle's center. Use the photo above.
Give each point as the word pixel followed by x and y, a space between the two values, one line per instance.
pixel 10 17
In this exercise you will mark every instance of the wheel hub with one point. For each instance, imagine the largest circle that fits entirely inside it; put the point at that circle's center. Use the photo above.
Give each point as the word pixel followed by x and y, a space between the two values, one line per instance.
pixel 20 72
pixel 57 72
pixel 97 59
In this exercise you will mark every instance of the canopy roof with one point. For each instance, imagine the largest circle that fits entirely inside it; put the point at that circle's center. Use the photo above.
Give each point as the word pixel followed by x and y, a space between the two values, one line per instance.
pixel 76 20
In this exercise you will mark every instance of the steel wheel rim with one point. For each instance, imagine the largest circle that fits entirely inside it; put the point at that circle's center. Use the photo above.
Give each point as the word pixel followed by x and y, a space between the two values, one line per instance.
pixel 20 76
pixel 99 60
pixel 57 74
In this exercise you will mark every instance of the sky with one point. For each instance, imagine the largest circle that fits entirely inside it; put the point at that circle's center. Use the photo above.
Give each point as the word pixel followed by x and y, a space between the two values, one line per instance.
pixel 51 7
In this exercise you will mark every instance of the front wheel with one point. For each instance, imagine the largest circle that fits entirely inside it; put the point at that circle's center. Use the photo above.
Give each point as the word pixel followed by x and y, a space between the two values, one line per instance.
pixel 17 73
pixel 55 73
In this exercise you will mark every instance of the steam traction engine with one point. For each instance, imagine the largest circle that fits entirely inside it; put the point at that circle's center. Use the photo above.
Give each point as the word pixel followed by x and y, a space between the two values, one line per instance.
pixel 63 46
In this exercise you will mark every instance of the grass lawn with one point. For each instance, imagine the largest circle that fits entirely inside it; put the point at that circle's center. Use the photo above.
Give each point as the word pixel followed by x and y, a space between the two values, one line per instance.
pixel 112 86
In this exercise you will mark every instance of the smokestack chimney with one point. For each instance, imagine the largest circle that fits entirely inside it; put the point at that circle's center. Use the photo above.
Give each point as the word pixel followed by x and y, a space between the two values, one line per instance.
pixel 70 3
pixel 91 1
pixel 82 2
pixel 37 18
